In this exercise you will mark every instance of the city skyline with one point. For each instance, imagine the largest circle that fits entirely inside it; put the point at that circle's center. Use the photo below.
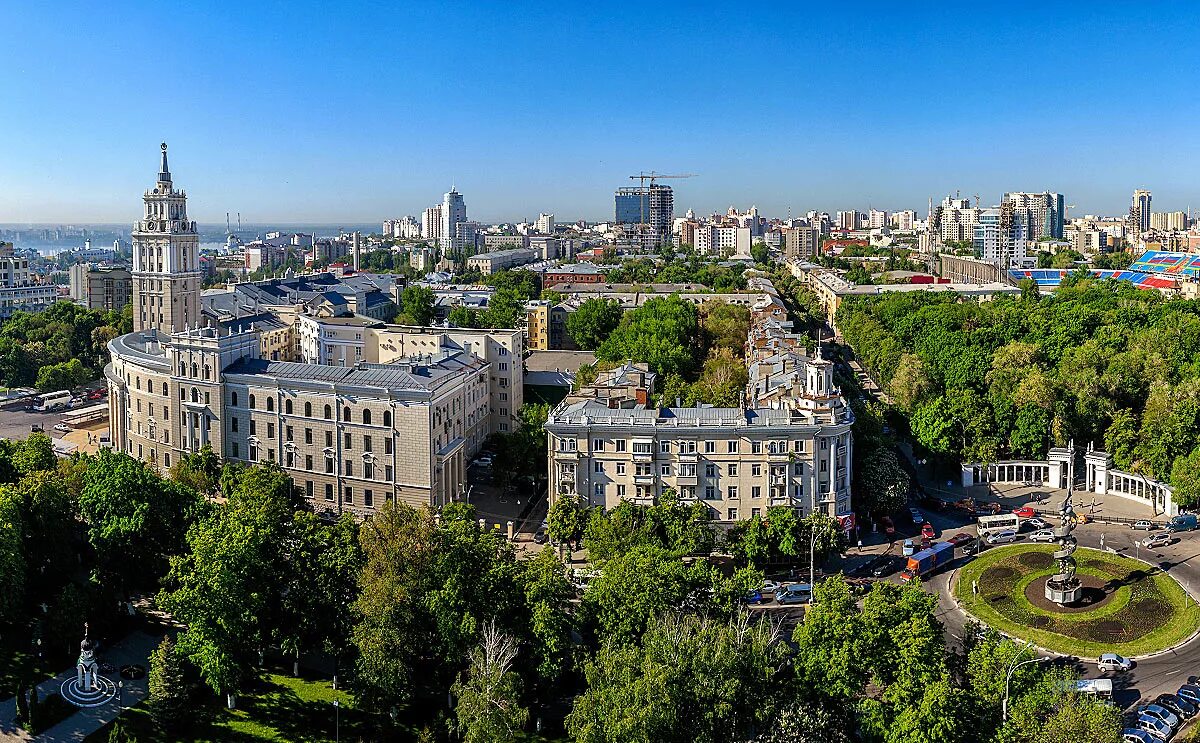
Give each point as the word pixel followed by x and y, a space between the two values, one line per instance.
pixel 815 108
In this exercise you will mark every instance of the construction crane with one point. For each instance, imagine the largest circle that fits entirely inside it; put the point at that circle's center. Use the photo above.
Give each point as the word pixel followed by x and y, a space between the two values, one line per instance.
pixel 652 176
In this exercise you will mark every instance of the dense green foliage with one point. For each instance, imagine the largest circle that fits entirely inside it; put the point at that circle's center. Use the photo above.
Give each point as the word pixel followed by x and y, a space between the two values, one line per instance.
pixel 416 306
pixel 60 348
pixel 593 321
pixel 690 269
pixel 1096 361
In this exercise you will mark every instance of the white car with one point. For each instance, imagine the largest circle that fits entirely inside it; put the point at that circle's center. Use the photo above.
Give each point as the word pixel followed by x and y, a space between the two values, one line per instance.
pixel 1159 712
pixel 770 587
pixel 484 461
pixel 1114 662
pixel 1037 523
pixel 63 427
pixel 1143 525
pixel 1002 537
pixel 1162 539
pixel 1042 535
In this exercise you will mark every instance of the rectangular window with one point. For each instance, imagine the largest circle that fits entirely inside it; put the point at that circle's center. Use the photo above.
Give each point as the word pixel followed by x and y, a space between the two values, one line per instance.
pixel 597 466
pixel 799 446
pixel 687 470
pixel 824 466
pixel 620 491
pixel 233 425
pixel 270 430
pixel 289 433
pixel 387 472
pixel 253 453
pixel 369 470
pixel 368 498
pixel 732 514
pixel 731 492
pixel 308 435
pixel 710 447
pixel 756 470
pixel 620 468
pixel 308 489
pixel 599 489
pixel 666 470
pixel 731 447
pixel 236 454
pixel 329 438
pixel 366 443
pixel 687 447
pixel 756 447
pixel 642 447
pixel 798 468
pixel 349 468
pixel 348 440
pixel 756 492
pixel 710 492
pixel 348 494
pixel 754 512
pixel 664 447
pixel 620 444
pixel 597 444
pixel 733 470
pixel 308 462
pixel 329 465
pixel 252 427
pixel 329 491
pixel 710 470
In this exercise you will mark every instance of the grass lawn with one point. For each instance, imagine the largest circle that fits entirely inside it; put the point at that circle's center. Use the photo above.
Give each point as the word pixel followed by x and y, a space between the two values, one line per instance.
pixel 279 708
pixel 1149 609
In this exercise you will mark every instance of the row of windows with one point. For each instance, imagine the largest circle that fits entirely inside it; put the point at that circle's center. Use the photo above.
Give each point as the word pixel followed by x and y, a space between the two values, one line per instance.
pixel 288 409
pixel 253 454
pixel 710 470
pixel 368 441
pixel 689 447
pixel 710 493
pixel 368 496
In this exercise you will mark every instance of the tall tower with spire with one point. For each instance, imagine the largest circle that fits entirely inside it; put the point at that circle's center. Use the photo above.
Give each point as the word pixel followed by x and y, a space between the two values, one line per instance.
pixel 166 260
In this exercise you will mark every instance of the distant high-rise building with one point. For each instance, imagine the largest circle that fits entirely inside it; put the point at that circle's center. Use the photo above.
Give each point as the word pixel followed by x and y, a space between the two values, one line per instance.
pixel 431 223
pixel 454 211
pixel 801 242
pixel 1169 221
pixel 904 220
pixel 1001 235
pixel 1045 212
pixel 166 260
pixel 646 213
pixel 847 220
pixel 1139 212
pixel 877 219
pixel 544 224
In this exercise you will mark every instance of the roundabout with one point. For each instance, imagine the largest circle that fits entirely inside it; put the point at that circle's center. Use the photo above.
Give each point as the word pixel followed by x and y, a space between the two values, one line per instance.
pixel 1124 606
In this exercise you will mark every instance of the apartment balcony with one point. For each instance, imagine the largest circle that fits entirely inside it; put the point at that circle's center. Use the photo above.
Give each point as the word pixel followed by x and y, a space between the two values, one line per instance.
pixel 566 455
pixel 779 479
pixel 778 456
pixel 643 456
pixel 690 456
pixel 686 481
pixel 645 479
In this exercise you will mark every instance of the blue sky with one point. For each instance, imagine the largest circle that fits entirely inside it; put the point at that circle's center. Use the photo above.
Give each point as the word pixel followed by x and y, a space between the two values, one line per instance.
pixel 327 112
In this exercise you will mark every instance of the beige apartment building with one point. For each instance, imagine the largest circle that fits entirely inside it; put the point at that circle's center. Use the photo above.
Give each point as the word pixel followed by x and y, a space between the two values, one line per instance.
pixel 357 412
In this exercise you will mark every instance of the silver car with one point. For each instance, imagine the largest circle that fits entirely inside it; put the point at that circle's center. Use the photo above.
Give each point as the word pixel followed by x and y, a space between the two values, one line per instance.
pixel 1042 535
pixel 1162 713
pixel 1154 726
pixel 1161 539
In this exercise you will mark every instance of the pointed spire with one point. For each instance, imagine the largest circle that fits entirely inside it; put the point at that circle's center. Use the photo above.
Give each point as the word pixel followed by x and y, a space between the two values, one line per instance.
pixel 164 173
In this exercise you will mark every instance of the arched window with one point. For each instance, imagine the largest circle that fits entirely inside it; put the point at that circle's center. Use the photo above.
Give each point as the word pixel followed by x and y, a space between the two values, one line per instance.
pixel 346 413
pixel 252 402
pixel 233 399
pixel 182 369
pixel 287 406
pixel 367 417
pixel 308 410
pixel 270 404
pixel 328 412
pixel 195 370
pixel 138 382
pixel 387 418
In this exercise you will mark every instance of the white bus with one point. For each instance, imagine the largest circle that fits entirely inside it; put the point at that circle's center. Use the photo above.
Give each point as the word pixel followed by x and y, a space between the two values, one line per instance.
pixel 1099 688
pixel 999 522
pixel 52 401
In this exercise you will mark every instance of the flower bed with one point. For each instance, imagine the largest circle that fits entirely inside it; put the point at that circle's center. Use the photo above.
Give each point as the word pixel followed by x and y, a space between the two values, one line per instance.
pixel 1136 608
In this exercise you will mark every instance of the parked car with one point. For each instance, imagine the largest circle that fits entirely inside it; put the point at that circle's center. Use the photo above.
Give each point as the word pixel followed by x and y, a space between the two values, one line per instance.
pixel 1162 713
pixel 794 593
pixel 754 597
pixel 1002 537
pixel 1042 535
pixel 770 587
pixel 1132 735
pixel 909 548
pixel 484 461
pixel 1154 726
pixel 1143 525
pixel 1037 522
pixel 960 539
pixel 96 394
pixel 1161 539
pixel 917 516
pixel 927 530
pixel 1114 662
pixel 541 536
pixel 1181 707
pixel 1024 512
pixel 972 548
pixel 63 427
pixel 1190 693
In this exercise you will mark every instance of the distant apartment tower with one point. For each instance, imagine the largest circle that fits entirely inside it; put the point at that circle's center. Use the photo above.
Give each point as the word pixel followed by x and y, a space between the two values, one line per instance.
pixel 954 220
pixel 877 219
pixel 1045 212
pixel 1001 235
pixel 730 241
pixel 544 224
pixel 454 212
pixel 646 213
pixel 431 223
pixel 847 220
pixel 1139 211
pixel 801 242
pixel 904 220
pixel 1169 221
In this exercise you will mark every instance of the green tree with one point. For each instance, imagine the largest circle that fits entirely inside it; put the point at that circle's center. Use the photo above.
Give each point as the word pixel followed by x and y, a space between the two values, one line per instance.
pixel 168 693
pixel 12 558
pixel 592 323
pixel 416 306
pixel 881 483
pixel 659 333
pixel 567 519
pixel 548 594
pixel 35 454
pixel 488 706
pixel 760 253
pixel 200 471
pixel 636 586
pixel 1185 479
pixel 506 309
pixel 63 376
pixel 462 316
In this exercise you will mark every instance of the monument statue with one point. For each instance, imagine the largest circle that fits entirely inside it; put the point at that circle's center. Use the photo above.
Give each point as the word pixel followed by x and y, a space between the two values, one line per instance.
pixel 87 668
pixel 1065 587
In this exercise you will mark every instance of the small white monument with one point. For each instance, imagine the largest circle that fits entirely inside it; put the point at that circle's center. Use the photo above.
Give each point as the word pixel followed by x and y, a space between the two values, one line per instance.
pixel 86 669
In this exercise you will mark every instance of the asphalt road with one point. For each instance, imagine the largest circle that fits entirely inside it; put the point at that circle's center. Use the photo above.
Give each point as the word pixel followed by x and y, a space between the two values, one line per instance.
pixel 1152 675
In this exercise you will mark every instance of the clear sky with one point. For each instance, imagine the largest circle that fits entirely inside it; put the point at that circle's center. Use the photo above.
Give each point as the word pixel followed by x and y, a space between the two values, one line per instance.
pixel 343 111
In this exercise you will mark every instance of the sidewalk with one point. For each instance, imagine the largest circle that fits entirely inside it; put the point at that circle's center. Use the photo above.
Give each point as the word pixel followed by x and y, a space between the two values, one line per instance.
pixel 134 648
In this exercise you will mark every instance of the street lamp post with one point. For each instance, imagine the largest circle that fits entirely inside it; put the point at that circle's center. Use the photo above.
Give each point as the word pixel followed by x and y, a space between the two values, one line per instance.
pixel 1012 667
pixel 337 723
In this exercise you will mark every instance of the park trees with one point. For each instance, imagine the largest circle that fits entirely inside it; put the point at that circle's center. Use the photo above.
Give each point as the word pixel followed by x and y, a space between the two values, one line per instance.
pixel 416 306
pixel 488 707
pixel 593 321
pixel 168 693
pixel 660 333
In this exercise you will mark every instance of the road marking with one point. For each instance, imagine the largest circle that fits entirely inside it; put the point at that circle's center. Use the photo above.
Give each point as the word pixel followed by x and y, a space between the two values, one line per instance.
pixel 1169 673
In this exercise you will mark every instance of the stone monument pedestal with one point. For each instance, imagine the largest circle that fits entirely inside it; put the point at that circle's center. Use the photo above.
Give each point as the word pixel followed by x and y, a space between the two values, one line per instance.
pixel 1063 592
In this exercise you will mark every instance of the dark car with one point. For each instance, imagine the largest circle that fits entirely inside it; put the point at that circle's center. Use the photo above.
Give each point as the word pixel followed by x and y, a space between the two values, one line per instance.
pixel 1178 705
pixel 960 539
pixel 1189 693
pixel 886 566
pixel 972 548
